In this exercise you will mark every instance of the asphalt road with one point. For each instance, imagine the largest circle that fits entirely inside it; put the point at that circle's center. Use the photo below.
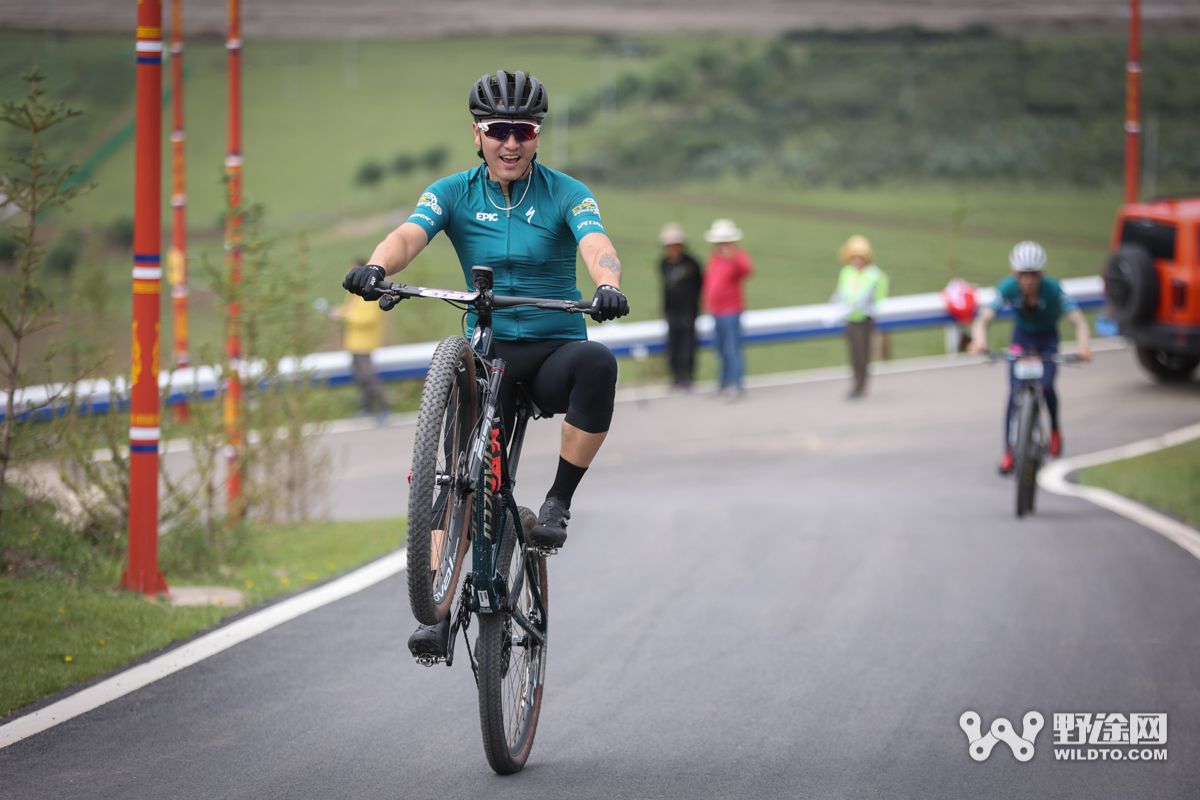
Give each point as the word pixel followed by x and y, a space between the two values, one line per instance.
pixel 793 596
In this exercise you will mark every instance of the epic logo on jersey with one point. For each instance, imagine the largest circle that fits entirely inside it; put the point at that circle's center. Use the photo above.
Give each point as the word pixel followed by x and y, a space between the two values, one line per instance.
pixel 430 200
pixel 484 216
pixel 588 206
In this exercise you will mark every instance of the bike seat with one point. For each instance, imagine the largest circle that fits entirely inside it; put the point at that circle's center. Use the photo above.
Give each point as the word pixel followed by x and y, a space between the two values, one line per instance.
pixel 525 398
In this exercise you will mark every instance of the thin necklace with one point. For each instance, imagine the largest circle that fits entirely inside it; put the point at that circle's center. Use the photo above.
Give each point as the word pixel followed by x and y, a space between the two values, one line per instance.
pixel 508 210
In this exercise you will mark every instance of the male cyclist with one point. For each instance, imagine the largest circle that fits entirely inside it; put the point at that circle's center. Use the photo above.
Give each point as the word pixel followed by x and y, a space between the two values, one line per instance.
pixel 526 222
pixel 1037 301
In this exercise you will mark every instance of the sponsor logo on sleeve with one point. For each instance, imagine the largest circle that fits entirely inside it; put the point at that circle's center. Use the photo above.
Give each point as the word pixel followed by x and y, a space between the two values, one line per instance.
pixel 427 219
pixel 587 222
pixel 430 201
pixel 588 206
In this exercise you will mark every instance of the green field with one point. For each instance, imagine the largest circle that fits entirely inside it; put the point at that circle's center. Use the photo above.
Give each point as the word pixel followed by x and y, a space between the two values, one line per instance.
pixel 1167 480
pixel 61 629
pixel 316 111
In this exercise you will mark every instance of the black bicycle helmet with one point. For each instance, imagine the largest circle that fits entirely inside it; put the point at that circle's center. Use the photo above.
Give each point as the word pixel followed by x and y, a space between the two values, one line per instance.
pixel 514 95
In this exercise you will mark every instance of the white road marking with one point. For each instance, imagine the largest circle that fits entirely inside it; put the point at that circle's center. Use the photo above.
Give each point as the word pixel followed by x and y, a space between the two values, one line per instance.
pixel 1053 478
pixel 207 645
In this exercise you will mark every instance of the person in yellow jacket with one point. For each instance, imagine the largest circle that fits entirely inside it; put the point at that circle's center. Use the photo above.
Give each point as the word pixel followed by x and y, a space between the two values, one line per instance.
pixel 861 285
pixel 362 333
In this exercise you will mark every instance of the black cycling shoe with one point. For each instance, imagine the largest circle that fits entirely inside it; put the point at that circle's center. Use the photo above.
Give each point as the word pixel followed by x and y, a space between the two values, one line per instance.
pixel 550 532
pixel 429 641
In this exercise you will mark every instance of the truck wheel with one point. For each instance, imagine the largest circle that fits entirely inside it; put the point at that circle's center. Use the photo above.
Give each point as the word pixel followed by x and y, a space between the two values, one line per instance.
pixel 1167 367
pixel 1131 284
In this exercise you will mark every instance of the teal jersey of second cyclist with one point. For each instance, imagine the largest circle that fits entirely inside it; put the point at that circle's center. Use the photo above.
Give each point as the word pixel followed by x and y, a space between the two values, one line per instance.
pixel 531 247
pixel 1053 302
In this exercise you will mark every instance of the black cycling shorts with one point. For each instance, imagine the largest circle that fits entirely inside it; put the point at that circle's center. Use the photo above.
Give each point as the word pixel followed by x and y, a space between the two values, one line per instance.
pixel 571 376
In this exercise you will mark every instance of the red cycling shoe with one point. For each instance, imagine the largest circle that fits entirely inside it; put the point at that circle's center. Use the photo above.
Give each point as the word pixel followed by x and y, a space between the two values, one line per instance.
pixel 1006 463
pixel 1055 443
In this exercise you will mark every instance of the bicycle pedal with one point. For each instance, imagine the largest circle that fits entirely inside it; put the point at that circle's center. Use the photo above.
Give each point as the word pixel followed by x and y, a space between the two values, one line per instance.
pixel 546 552
pixel 429 661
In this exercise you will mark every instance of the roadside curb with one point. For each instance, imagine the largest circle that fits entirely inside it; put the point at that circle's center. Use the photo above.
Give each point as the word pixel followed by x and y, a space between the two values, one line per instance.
pixel 1053 478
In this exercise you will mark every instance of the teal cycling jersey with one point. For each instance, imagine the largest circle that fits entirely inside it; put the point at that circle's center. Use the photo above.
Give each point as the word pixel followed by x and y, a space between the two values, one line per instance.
pixel 1053 302
pixel 531 247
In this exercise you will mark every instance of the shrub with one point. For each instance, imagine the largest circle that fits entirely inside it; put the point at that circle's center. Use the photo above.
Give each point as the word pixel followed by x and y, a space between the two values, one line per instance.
pixel 403 164
pixel 434 158
pixel 369 174
pixel 120 232
pixel 61 257
pixel 8 248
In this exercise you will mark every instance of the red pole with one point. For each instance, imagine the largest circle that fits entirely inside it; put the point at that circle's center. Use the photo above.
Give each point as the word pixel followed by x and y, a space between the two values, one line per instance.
pixel 1133 101
pixel 177 270
pixel 233 259
pixel 142 573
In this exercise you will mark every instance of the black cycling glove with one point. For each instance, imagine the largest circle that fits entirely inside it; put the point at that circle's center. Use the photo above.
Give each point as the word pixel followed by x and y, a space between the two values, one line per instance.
pixel 361 281
pixel 609 303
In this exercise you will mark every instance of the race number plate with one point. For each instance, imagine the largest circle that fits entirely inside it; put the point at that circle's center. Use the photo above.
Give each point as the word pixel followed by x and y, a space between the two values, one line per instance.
pixel 1029 369
pixel 442 294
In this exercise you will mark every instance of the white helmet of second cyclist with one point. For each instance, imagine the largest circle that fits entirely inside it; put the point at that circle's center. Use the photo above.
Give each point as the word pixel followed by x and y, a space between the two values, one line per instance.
pixel 1027 257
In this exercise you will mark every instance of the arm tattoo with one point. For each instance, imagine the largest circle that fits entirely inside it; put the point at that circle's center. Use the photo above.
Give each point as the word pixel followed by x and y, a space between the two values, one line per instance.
pixel 610 263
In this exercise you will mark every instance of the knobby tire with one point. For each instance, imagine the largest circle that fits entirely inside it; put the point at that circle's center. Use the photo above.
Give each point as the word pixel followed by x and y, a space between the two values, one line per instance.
pixel 511 676
pixel 1025 460
pixel 444 425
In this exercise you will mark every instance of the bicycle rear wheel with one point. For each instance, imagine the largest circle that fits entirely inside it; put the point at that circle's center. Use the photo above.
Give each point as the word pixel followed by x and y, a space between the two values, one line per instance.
pixel 512 666
pixel 1025 457
pixel 438 508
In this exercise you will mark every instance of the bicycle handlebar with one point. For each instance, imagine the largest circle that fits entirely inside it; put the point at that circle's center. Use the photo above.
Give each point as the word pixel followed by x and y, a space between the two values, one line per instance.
pixel 395 292
pixel 1057 358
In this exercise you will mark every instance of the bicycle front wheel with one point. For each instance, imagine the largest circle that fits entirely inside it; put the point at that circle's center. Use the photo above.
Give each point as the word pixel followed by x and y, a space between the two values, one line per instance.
pixel 439 508
pixel 512 665
pixel 1025 455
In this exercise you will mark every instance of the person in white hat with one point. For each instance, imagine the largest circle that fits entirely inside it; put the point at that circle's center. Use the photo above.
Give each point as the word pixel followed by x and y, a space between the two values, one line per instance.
pixel 729 266
pixel 860 286
pixel 681 277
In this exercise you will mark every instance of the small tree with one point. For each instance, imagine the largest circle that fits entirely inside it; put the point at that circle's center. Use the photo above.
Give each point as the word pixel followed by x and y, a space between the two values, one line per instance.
pixel 33 188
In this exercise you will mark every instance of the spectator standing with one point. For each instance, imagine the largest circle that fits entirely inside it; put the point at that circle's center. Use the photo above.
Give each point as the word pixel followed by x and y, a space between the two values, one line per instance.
pixel 729 266
pixel 681 277
pixel 363 325
pixel 860 286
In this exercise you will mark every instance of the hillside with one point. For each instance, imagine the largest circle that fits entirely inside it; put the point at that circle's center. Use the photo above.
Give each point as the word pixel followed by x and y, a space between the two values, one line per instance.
pixel 383 19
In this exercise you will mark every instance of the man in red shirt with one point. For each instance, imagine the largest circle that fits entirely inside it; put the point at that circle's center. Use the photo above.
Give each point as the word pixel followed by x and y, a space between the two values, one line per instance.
pixel 728 268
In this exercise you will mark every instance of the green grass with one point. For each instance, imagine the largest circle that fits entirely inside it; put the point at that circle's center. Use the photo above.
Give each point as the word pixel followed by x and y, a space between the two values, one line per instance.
pixel 308 128
pixel 1166 480
pixel 58 632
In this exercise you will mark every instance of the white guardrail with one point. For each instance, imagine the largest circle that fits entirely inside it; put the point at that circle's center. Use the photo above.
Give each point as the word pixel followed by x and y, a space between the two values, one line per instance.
pixel 405 361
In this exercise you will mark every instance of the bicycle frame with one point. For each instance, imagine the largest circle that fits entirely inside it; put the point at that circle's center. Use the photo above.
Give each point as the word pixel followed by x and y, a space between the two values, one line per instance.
pixel 485 589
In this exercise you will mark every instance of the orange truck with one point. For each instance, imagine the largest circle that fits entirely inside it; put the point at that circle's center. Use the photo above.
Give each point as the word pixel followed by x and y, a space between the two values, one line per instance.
pixel 1152 283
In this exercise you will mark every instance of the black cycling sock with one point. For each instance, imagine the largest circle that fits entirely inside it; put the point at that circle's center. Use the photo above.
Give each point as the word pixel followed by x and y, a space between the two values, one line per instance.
pixel 566 480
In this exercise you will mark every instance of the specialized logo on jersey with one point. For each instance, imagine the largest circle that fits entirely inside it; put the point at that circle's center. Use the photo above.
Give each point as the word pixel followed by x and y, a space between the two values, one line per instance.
pixel 588 206
pixel 429 199
pixel 529 215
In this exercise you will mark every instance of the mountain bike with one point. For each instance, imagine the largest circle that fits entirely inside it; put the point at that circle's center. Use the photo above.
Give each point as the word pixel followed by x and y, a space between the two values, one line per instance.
pixel 1027 431
pixel 461 497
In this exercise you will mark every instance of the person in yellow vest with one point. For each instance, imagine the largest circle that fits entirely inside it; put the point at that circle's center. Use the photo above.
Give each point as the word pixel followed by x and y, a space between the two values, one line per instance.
pixel 861 285
pixel 362 333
